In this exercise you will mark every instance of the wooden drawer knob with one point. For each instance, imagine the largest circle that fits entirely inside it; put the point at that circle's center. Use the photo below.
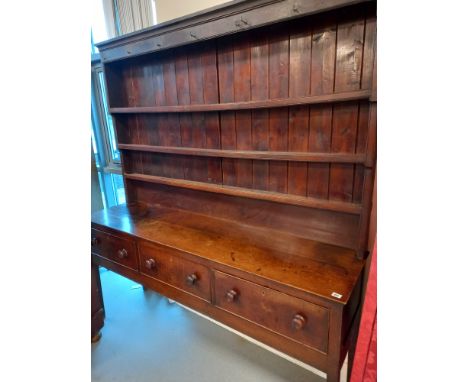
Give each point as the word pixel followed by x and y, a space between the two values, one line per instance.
pixel 122 253
pixel 298 322
pixel 94 241
pixel 232 295
pixel 192 279
pixel 150 263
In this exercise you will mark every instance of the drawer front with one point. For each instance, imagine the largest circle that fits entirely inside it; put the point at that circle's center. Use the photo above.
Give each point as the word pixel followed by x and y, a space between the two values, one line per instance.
pixel 292 317
pixel 166 265
pixel 114 248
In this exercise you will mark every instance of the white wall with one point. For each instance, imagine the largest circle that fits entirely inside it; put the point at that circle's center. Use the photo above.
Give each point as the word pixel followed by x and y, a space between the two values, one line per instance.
pixel 171 9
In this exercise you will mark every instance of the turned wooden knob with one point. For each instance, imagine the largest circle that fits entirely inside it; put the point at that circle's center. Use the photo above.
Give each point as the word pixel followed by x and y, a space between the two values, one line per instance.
pixel 192 279
pixel 150 264
pixel 122 253
pixel 94 240
pixel 298 322
pixel 232 295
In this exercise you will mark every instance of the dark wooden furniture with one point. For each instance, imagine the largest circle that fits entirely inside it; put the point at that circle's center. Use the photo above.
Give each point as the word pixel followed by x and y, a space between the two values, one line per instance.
pixel 97 304
pixel 248 142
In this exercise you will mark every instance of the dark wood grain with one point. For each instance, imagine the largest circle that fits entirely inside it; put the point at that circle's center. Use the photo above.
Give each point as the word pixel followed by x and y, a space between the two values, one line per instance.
pixel 370 40
pixel 349 53
pixel 170 81
pixel 225 19
pixel 109 246
pixel 212 126
pixel 352 208
pixel 197 166
pixel 279 261
pixel 323 58
pixel 227 120
pixel 345 120
pixel 97 304
pixel 296 156
pixel 361 143
pixel 143 89
pixel 168 125
pixel 248 159
pixel 368 184
pixel 128 90
pixel 282 343
pixel 158 83
pixel 316 224
pixel 278 88
pixel 260 118
pixel 321 82
pixel 183 98
pixel 241 57
pixel 168 267
pixel 319 141
pixel 274 102
pixel 299 85
pixel 313 331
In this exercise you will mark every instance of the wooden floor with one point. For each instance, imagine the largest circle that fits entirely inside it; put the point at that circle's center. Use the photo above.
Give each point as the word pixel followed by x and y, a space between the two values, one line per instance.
pixel 145 338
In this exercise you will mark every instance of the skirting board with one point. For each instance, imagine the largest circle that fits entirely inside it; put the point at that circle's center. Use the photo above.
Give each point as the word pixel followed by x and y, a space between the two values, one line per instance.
pixel 344 369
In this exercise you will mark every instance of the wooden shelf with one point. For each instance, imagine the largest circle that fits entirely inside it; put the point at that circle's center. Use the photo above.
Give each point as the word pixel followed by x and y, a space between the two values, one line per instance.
pixel 352 208
pixel 248 105
pixel 246 154
pixel 257 250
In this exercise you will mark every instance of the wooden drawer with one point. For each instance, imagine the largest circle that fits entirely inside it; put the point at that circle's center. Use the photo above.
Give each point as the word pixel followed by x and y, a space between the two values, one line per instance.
pixel 166 265
pixel 115 248
pixel 292 317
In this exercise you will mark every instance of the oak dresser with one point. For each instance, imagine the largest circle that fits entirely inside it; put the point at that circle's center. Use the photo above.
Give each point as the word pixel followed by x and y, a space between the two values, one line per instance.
pixel 247 135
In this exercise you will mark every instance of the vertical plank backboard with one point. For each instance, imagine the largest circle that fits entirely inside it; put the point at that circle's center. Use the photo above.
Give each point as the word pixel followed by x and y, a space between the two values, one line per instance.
pixel 260 118
pixel 300 46
pixel 278 88
pixel 319 141
pixel 195 165
pixel 241 58
pixel 345 119
pixel 322 77
pixel 227 119
pixel 183 98
pixel 348 70
pixel 349 53
pixel 211 95
pixel 316 55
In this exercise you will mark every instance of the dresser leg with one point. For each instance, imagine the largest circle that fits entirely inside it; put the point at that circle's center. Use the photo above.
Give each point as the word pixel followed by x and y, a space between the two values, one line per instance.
pixel 97 304
pixel 351 353
pixel 333 374
pixel 96 337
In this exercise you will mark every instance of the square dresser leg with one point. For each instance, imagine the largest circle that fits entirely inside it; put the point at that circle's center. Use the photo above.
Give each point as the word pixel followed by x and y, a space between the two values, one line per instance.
pixel 97 304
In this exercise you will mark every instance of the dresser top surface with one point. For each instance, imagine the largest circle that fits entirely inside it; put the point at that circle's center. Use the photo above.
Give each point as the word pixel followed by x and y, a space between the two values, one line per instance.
pixel 316 268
